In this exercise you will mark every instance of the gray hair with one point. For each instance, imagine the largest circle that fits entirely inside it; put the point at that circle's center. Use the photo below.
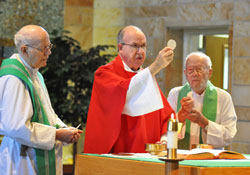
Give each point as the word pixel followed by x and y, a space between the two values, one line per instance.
pixel 120 36
pixel 122 31
pixel 200 54
pixel 22 38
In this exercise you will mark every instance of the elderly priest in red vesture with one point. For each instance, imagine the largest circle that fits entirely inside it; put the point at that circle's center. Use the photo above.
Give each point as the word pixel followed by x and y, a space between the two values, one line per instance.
pixel 127 108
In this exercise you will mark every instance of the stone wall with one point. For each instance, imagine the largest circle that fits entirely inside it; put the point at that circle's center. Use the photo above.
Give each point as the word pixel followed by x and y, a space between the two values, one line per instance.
pixel 158 17
pixel 241 72
pixel 108 20
pixel 15 14
pixel 78 19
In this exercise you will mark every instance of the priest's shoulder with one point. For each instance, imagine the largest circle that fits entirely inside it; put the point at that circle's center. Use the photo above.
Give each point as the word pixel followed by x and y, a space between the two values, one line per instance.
pixel 106 67
pixel 222 91
pixel 223 95
pixel 175 89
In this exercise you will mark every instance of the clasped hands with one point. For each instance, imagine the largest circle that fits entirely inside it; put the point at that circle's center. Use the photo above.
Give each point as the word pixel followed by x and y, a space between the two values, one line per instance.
pixel 68 135
pixel 188 111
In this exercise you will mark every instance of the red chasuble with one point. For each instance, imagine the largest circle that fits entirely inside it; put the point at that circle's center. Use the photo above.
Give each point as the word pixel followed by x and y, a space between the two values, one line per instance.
pixel 110 131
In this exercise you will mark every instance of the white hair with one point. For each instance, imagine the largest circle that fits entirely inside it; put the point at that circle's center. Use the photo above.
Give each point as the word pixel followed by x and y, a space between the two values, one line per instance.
pixel 23 37
pixel 200 54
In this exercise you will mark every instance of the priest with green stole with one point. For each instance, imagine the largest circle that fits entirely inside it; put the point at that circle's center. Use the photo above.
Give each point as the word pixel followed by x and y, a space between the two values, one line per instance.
pixel 33 133
pixel 207 112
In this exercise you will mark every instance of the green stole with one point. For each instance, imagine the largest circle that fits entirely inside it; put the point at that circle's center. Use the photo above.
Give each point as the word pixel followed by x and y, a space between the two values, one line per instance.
pixel 209 110
pixel 46 163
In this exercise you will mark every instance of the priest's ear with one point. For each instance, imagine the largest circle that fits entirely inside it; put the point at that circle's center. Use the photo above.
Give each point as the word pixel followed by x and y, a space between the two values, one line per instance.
pixel 210 72
pixel 119 46
pixel 24 50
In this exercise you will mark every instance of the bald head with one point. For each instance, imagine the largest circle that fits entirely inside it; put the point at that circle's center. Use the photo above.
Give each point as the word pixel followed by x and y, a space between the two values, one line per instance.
pixel 33 45
pixel 128 30
pixel 31 35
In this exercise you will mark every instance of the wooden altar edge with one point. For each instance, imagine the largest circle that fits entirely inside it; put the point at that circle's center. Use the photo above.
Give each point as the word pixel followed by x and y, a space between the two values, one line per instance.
pixel 200 163
pixel 95 165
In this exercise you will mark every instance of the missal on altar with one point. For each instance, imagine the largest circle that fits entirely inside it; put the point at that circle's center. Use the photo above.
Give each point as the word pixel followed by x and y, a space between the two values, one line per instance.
pixel 206 154
pixel 222 155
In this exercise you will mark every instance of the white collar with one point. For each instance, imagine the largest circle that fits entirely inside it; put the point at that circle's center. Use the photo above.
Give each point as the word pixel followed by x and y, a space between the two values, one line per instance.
pixel 127 68
pixel 198 95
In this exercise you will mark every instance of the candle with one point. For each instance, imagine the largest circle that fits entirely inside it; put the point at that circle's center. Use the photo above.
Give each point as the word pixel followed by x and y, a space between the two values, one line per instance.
pixel 172 137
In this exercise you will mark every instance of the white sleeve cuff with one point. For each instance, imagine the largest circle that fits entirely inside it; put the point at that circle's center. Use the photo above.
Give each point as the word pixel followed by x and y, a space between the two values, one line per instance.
pixel 143 95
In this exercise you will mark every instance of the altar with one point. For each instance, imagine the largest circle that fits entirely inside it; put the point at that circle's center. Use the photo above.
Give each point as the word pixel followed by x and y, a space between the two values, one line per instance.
pixel 97 164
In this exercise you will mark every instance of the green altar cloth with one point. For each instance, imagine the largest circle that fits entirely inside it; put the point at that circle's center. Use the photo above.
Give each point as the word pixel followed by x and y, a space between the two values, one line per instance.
pixel 200 163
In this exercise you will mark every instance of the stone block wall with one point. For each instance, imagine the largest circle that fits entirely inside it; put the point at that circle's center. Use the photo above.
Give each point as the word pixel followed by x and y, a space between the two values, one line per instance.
pixel 108 20
pixel 78 20
pixel 241 73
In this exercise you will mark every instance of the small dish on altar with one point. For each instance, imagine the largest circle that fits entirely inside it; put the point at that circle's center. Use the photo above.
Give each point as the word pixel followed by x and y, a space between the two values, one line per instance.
pixel 155 148
pixel 202 146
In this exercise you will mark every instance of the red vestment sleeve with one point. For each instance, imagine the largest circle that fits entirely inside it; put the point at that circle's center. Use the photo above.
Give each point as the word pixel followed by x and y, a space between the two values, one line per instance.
pixel 106 105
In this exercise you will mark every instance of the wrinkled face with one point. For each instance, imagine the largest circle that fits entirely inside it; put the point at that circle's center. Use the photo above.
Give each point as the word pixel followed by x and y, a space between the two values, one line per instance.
pixel 39 53
pixel 133 50
pixel 33 45
pixel 197 73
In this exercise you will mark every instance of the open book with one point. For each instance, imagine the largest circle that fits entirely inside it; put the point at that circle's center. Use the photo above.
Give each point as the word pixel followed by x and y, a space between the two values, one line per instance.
pixel 206 154
pixel 209 155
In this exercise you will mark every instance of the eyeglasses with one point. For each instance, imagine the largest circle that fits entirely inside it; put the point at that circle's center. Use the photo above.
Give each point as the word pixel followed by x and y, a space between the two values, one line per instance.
pixel 199 70
pixel 136 47
pixel 45 50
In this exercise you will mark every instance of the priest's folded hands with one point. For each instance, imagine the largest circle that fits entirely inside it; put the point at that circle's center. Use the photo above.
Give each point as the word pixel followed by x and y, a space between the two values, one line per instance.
pixel 68 135
pixel 189 112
